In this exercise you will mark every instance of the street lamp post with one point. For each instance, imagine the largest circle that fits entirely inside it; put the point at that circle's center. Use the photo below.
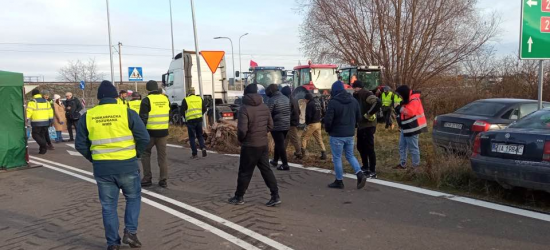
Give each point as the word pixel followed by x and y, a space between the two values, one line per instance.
pixel 197 55
pixel 232 54
pixel 110 44
pixel 240 62
pixel 171 29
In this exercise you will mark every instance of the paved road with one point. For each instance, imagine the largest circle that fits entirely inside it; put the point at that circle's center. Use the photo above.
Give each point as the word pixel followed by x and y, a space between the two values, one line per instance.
pixel 44 208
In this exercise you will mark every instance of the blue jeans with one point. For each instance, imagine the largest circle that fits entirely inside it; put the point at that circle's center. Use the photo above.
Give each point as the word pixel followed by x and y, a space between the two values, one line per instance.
pixel 194 130
pixel 409 144
pixel 109 187
pixel 59 136
pixel 337 145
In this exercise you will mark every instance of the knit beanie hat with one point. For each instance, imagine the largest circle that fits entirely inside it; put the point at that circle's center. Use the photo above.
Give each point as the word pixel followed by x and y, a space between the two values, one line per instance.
pixel 404 91
pixel 106 90
pixel 286 91
pixel 152 85
pixel 337 87
pixel 251 89
pixel 35 92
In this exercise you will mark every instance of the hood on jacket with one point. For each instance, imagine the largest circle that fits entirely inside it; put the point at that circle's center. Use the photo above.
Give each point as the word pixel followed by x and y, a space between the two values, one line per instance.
pixel 337 87
pixel 252 99
pixel 271 90
pixel 251 89
pixel 343 97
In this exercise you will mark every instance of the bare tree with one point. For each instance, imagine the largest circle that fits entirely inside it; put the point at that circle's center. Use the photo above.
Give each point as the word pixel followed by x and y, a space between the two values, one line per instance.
pixel 76 71
pixel 415 40
pixel 481 69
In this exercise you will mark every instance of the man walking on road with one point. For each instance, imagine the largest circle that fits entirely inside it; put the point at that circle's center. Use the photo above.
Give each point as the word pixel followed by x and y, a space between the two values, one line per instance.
pixel 40 115
pixel 412 122
pixel 342 115
pixel 193 108
pixel 73 106
pixel 369 105
pixel 313 121
pixel 154 112
pixel 112 137
pixel 279 106
pixel 255 123
pixel 293 133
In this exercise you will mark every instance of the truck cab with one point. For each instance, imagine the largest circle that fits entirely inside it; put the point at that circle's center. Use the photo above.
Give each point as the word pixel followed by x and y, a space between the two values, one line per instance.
pixel 369 75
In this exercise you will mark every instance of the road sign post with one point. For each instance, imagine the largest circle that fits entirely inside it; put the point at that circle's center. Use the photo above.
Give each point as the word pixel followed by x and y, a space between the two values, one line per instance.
pixel 135 74
pixel 535 35
pixel 213 59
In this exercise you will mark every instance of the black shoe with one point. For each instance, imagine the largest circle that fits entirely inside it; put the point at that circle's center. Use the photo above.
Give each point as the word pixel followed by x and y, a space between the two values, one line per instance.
pixel 204 153
pixel 42 152
pixel 194 157
pixel 236 200
pixel 163 184
pixel 283 167
pixel 361 180
pixel 273 163
pixel 131 239
pixel 113 247
pixel 372 175
pixel 71 140
pixel 146 183
pixel 323 155
pixel 365 170
pixel 337 184
pixel 275 200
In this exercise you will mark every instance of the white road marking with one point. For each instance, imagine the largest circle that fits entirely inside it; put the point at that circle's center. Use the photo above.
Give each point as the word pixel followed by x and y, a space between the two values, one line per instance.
pixel 70 145
pixel 73 153
pixel 205 214
pixel 203 225
pixel 461 199
pixel 180 146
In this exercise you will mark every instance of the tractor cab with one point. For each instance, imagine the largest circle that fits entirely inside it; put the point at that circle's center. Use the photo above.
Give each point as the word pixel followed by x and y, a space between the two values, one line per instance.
pixel 267 75
pixel 369 75
pixel 316 78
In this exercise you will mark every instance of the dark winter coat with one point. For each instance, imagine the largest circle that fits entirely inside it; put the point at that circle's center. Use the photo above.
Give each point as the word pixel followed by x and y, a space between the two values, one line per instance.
pixel 342 115
pixel 279 106
pixel 254 122
pixel 295 112
pixel 73 108
pixel 369 104
pixel 313 112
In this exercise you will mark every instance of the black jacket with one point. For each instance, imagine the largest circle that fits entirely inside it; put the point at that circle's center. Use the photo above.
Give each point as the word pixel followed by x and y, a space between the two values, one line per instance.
pixel 73 108
pixel 369 105
pixel 144 110
pixel 342 115
pixel 279 106
pixel 295 112
pixel 313 111
pixel 184 109
pixel 254 121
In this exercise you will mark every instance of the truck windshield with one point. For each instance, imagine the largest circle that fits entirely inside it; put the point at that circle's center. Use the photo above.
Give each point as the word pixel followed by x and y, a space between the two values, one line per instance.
pixel 267 77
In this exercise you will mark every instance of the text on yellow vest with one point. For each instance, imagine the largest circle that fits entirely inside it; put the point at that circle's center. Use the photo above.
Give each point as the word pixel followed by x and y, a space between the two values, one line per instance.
pixel 160 111
pixel 135 105
pixel 109 133
pixel 194 107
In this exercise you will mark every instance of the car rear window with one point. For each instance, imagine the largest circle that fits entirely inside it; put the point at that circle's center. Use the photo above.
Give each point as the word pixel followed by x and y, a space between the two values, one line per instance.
pixel 481 109
pixel 537 120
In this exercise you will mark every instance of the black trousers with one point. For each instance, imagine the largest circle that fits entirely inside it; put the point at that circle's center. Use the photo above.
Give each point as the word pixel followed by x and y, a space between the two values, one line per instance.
pixel 39 134
pixel 280 149
pixel 194 131
pixel 48 140
pixel 70 124
pixel 387 116
pixel 250 158
pixel 365 146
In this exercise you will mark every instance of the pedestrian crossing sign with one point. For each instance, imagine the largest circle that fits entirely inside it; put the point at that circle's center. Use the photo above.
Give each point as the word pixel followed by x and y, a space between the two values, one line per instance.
pixel 135 74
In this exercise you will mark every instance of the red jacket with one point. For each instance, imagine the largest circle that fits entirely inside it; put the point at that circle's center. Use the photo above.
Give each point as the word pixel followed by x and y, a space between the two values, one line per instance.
pixel 412 118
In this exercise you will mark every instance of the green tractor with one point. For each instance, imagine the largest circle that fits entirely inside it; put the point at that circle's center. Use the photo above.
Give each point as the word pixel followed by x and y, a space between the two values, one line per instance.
pixel 369 75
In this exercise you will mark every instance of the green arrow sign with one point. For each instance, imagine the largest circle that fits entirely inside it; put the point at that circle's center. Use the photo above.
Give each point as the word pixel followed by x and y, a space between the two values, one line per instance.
pixel 535 29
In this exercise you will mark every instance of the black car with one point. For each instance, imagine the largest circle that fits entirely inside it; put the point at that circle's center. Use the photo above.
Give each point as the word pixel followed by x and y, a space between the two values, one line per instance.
pixel 518 155
pixel 456 131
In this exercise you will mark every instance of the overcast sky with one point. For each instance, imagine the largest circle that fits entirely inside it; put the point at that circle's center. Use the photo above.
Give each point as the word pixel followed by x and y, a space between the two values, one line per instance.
pixel 37 37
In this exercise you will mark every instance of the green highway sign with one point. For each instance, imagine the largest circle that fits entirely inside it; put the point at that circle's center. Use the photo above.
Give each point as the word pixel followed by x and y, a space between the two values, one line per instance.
pixel 535 29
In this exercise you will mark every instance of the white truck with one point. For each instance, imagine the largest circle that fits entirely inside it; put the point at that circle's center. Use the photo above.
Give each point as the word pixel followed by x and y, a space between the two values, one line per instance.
pixel 183 74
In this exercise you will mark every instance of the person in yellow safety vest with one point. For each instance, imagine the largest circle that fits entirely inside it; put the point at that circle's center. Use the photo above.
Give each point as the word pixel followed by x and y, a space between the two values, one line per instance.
pixel 155 114
pixel 40 115
pixel 112 137
pixel 192 108
pixel 135 103
pixel 46 95
pixel 388 102
pixel 122 98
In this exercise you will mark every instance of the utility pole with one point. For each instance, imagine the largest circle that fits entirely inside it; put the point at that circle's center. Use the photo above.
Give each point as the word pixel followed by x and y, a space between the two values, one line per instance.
pixel 120 60
pixel 110 44
pixel 171 29
pixel 197 55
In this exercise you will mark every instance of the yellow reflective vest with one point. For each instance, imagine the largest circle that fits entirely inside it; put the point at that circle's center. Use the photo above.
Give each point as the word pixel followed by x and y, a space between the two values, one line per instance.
pixel 194 107
pixel 39 113
pixel 135 105
pixel 387 99
pixel 109 133
pixel 122 102
pixel 160 112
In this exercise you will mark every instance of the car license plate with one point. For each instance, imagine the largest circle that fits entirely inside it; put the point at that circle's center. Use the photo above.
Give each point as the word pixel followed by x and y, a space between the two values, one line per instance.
pixel 453 125
pixel 508 149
